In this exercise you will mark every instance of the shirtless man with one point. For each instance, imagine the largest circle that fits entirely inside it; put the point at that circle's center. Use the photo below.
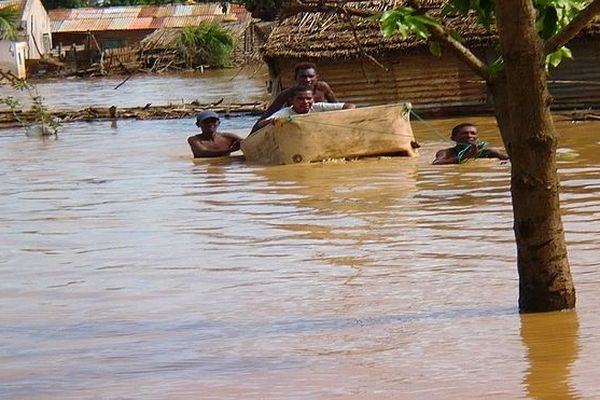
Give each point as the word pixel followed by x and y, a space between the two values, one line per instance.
pixel 467 147
pixel 304 73
pixel 211 143
pixel 303 102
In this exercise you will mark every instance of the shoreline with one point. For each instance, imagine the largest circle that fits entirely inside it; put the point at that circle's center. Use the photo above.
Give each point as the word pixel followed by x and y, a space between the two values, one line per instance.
pixel 8 119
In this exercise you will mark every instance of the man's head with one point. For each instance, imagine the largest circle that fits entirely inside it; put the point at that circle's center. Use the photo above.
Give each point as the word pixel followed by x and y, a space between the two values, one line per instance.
pixel 208 121
pixel 301 98
pixel 464 133
pixel 305 73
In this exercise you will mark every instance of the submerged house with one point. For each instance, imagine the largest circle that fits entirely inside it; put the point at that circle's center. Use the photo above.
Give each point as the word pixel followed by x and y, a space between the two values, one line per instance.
pixel 34 41
pixel 365 68
pixel 126 26
pixel 126 38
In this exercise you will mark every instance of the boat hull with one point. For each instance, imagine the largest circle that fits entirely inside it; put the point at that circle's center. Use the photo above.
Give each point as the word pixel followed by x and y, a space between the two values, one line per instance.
pixel 344 134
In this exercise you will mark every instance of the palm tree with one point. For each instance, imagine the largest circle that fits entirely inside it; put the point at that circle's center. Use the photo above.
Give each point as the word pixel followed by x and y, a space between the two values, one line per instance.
pixel 8 23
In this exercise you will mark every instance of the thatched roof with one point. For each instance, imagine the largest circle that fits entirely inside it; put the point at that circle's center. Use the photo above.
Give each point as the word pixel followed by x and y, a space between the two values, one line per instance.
pixel 329 35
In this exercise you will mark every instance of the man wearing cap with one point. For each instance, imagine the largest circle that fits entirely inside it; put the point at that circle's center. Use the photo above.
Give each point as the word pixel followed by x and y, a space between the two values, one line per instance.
pixel 211 143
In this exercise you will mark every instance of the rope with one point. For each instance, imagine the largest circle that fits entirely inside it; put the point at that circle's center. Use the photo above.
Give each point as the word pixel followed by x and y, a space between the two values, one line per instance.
pixel 483 148
pixel 431 127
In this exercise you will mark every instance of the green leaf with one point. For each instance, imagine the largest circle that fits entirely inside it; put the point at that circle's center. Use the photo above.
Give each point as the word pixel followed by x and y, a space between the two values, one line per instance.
pixel 435 48
pixel 554 59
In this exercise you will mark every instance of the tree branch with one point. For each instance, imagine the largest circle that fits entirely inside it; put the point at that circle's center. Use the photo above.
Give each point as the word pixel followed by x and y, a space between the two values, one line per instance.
pixel 361 50
pixel 438 32
pixel 441 35
pixel 573 28
pixel 466 55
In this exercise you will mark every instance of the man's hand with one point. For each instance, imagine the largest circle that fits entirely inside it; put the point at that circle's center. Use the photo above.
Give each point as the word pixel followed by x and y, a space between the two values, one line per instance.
pixel 235 145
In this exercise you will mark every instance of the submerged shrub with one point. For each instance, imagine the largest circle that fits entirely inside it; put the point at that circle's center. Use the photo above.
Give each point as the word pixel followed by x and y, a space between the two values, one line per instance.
pixel 205 44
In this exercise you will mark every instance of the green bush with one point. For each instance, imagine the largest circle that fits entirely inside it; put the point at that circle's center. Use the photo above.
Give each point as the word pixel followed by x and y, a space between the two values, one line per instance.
pixel 205 44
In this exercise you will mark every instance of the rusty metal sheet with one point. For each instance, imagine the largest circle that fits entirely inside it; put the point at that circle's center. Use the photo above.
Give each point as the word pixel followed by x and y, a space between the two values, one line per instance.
pixel 149 11
pixel 60 15
pixel 181 10
pixel 165 11
pixel 138 17
pixel 141 23
pixel 118 24
pixel 157 23
pixel 122 12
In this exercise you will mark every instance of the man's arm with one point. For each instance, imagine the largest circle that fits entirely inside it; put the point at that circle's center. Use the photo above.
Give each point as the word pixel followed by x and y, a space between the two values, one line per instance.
pixel 235 140
pixel 445 157
pixel 201 151
pixel 278 103
pixel 262 124
pixel 327 92
pixel 493 153
pixel 348 106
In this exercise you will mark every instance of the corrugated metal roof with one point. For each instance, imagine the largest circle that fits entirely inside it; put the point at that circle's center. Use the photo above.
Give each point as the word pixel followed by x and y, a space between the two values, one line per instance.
pixel 157 23
pixel 120 24
pixel 139 17
pixel 182 10
pixel 148 11
pixel 141 23
pixel 7 3
pixel 164 11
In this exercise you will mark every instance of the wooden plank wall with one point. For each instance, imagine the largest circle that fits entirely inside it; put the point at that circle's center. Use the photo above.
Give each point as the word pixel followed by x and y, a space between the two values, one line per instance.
pixel 576 83
pixel 446 85
pixel 443 83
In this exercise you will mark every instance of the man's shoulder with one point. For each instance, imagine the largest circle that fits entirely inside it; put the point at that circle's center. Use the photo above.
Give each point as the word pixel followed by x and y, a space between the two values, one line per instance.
pixel 322 85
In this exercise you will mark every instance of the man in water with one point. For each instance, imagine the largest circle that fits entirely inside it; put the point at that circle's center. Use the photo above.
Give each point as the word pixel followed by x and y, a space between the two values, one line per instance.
pixel 303 102
pixel 211 143
pixel 304 73
pixel 467 147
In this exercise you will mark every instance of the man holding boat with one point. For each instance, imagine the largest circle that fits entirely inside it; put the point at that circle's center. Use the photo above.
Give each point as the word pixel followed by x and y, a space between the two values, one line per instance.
pixel 304 73
pixel 302 100
pixel 210 143
pixel 467 147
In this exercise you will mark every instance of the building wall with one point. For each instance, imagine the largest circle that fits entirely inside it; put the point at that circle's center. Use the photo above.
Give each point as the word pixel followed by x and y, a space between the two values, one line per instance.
pixel 576 83
pixel 36 24
pixel 105 39
pixel 12 57
pixel 442 84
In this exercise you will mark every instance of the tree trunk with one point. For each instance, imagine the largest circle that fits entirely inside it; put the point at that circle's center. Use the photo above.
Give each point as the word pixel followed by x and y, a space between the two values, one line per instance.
pixel 523 113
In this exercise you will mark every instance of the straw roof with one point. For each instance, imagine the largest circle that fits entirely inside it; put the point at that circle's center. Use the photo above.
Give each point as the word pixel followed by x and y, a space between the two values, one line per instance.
pixel 330 35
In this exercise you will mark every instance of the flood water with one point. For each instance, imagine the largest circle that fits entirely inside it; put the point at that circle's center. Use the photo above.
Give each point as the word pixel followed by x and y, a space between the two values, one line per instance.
pixel 130 271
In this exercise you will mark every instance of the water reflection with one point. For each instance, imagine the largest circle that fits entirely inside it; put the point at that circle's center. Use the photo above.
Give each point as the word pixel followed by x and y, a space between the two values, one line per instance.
pixel 552 343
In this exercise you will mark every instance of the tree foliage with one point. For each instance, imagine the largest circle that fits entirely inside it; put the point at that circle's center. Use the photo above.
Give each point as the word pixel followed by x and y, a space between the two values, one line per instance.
pixel 9 23
pixel 41 122
pixel 205 44
pixel 552 17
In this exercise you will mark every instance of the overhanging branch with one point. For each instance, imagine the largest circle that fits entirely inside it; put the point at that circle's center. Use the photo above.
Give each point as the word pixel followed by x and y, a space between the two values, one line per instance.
pixel 573 28
pixel 438 32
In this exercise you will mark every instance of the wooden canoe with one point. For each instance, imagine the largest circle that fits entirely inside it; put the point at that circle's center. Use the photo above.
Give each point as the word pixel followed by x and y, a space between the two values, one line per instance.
pixel 346 134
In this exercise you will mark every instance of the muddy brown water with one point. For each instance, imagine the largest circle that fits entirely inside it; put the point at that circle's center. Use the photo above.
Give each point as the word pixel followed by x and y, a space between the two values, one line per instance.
pixel 130 271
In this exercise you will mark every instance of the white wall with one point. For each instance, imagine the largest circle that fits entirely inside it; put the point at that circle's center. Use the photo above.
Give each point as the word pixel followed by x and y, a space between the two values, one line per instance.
pixel 36 25
pixel 12 57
